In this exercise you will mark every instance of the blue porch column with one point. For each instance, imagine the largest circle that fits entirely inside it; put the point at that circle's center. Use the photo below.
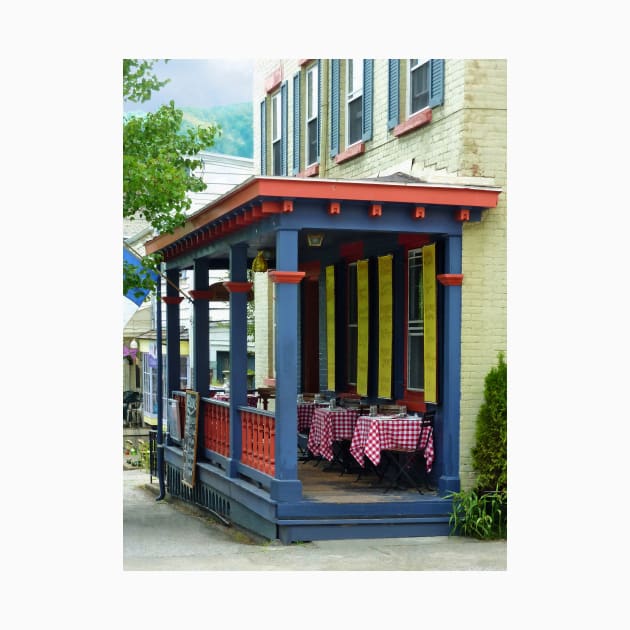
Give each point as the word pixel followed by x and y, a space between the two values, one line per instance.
pixel 238 288
pixel 201 329
pixel 286 486
pixel 172 301
pixel 448 441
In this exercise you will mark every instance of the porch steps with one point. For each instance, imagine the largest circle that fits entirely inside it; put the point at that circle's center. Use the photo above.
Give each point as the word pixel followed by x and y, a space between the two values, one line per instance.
pixel 294 530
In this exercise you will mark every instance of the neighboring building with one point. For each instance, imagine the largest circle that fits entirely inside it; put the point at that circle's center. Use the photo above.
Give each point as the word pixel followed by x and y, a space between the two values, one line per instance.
pixel 379 203
pixel 220 174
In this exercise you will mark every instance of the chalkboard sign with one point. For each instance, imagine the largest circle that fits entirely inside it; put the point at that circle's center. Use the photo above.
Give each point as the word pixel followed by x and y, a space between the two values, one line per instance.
pixel 190 438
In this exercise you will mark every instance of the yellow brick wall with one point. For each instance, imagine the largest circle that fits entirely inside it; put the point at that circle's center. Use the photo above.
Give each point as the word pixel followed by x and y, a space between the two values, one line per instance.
pixel 465 143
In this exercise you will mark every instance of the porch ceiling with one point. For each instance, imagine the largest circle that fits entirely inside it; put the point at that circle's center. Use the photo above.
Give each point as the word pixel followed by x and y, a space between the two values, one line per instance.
pixel 336 204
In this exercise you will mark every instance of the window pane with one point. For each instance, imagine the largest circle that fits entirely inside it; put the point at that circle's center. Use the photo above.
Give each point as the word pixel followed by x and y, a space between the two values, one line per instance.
pixel 419 87
pixel 277 159
pixel 355 120
pixel 311 143
pixel 415 368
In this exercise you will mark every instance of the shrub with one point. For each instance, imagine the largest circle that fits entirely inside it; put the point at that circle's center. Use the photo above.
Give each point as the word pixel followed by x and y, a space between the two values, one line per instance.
pixel 482 512
pixel 489 455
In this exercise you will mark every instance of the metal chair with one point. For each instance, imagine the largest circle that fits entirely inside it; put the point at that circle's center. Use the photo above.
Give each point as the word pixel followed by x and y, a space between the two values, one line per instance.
pixel 404 461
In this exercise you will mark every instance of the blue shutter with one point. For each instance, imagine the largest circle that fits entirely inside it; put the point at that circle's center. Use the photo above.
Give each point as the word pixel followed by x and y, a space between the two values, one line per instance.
pixel 334 107
pixel 393 98
pixel 263 138
pixel 436 82
pixel 319 105
pixel 296 124
pixel 368 98
pixel 284 141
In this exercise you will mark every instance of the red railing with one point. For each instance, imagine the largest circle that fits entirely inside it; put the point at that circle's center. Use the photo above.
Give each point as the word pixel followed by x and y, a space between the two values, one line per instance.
pixel 216 426
pixel 259 438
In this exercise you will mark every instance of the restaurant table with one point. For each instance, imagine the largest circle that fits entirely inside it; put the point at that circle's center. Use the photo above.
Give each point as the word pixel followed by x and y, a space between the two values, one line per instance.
pixel 373 434
pixel 329 426
pixel 305 412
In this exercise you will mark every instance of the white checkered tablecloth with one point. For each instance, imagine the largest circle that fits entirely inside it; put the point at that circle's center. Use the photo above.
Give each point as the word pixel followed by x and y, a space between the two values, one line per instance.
pixel 328 426
pixel 374 434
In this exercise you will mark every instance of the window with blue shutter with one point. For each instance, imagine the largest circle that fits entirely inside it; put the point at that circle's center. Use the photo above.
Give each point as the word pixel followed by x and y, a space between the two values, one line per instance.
pixel 263 138
pixel 368 98
pixel 334 107
pixel 296 124
pixel 393 96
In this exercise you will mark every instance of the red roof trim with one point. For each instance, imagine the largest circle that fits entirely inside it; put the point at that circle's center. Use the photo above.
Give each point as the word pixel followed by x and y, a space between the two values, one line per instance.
pixel 296 188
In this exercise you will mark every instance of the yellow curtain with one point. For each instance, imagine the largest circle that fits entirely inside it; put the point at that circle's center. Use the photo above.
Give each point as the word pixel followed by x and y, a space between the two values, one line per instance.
pixel 430 323
pixel 385 326
pixel 330 325
pixel 363 332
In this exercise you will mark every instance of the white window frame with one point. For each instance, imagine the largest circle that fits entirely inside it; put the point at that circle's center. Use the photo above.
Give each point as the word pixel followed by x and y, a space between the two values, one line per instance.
pixel 312 113
pixel 354 91
pixel 414 65
pixel 276 130
pixel 415 328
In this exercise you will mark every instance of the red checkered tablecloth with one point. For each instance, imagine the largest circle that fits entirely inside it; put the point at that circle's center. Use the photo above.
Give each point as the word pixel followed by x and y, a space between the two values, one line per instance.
pixel 374 434
pixel 328 426
pixel 305 416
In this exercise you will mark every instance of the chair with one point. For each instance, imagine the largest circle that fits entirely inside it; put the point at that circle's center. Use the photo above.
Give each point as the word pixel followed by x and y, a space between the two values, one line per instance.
pixel 404 461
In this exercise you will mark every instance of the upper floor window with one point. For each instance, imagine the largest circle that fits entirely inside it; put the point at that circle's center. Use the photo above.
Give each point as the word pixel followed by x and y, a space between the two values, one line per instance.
pixel 418 85
pixel 312 109
pixel 422 81
pixel 354 100
pixel 276 134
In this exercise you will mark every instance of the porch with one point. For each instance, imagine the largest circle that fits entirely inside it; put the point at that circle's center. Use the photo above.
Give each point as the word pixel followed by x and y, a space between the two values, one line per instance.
pixel 336 501
pixel 338 331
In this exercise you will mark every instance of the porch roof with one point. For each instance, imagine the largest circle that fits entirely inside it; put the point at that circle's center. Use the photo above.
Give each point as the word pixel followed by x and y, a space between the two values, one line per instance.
pixel 262 197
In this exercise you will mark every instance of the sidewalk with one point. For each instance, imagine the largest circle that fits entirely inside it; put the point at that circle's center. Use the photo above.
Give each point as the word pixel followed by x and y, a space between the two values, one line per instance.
pixel 170 535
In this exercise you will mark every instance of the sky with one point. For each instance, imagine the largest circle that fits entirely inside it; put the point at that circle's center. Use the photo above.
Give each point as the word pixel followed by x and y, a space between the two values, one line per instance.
pixel 200 83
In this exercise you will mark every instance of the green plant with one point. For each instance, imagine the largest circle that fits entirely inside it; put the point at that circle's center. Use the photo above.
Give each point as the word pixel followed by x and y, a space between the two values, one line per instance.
pixel 479 515
pixel 489 455
pixel 482 511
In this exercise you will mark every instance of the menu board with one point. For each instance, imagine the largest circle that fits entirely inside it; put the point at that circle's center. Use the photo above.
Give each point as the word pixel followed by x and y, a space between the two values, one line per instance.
pixel 190 438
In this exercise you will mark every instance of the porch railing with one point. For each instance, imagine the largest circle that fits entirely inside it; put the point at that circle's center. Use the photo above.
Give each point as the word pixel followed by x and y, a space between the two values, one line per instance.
pixel 216 426
pixel 258 439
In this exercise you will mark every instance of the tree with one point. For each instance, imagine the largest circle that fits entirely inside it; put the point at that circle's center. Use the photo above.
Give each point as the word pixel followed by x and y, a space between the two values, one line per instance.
pixel 158 164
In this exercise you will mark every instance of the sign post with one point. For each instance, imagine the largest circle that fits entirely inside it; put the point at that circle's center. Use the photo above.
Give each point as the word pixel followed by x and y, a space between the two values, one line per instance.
pixel 190 438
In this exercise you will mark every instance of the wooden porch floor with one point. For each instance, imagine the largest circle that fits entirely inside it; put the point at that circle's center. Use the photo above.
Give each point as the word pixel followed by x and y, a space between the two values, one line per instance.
pixel 325 483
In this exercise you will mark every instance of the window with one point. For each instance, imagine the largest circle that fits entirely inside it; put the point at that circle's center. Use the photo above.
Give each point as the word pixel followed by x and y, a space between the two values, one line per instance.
pixel 276 134
pixel 418 85
pixel 312 109
pixel 354 100
pixel 415 323
pixel 422 81
pixel 353 324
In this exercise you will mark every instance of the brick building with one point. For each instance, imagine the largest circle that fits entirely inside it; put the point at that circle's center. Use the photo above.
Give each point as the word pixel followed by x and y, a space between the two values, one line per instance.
pixel 461 142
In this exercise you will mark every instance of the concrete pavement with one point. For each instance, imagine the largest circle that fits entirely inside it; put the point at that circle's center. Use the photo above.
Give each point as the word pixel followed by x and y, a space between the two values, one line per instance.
pixel 170 535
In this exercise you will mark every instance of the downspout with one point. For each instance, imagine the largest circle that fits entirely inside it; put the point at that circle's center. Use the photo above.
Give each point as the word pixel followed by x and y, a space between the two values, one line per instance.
pixel 160 393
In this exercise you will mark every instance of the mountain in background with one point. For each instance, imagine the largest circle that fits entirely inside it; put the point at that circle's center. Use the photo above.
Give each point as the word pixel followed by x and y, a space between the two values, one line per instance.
pixel 236 122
